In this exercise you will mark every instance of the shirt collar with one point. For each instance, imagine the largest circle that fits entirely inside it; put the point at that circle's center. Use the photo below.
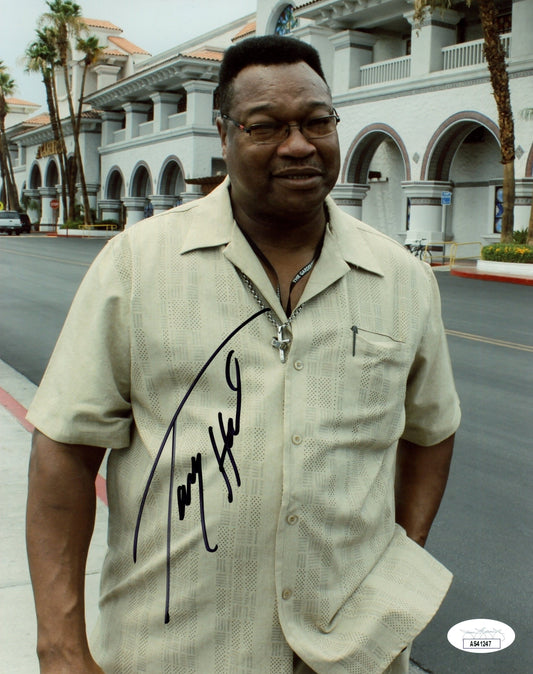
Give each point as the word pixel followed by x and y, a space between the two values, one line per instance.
pixel 212 225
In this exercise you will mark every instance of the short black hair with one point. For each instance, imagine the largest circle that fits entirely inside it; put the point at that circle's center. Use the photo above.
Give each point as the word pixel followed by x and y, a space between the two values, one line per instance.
pixel 265 50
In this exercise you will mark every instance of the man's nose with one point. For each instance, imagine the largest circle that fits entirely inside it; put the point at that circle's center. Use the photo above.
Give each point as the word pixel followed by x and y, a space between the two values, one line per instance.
pixel 296 144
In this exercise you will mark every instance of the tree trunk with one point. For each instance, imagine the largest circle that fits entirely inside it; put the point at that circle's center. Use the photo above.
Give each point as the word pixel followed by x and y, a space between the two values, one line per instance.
pixel 530 227
pixel 499 78
pixel 7 172
pixel 87 217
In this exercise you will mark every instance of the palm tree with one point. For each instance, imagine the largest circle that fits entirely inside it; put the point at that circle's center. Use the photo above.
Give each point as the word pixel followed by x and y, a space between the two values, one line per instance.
pixel 41 56
pixel 65 19
pixel 499 77
pixel 92 54
pixel 7 87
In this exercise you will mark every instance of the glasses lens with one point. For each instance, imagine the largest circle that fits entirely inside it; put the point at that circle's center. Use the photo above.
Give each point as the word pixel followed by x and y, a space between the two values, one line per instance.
pixel 263 134
pixel 320 126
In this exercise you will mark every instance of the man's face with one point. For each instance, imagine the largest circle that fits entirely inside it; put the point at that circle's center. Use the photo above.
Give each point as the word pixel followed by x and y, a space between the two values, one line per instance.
pixel 286 181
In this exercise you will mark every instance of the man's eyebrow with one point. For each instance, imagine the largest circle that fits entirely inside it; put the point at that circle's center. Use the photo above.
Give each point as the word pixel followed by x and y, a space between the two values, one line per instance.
pixel 270 107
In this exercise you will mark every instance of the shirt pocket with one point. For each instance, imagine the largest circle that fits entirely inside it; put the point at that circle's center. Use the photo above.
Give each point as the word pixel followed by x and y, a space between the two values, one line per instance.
pixel 379 366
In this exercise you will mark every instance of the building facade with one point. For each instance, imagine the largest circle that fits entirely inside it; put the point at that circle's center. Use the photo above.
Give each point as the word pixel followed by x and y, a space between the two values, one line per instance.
pixel 419 126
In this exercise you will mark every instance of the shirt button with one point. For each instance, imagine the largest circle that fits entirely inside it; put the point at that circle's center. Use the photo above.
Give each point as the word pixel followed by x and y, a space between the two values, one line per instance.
pixel 297 439
pixel 286 594
pixel 298 365
pixel 292 519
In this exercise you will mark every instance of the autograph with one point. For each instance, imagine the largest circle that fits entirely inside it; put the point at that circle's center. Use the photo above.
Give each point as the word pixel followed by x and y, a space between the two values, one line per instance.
pixel 228 432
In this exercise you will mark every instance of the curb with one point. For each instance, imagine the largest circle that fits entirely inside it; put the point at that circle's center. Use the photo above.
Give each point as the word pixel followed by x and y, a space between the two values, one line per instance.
pixel 482 276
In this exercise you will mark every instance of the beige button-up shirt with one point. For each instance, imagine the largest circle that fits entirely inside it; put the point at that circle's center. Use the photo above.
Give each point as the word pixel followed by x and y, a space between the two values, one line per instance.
pixel 256 496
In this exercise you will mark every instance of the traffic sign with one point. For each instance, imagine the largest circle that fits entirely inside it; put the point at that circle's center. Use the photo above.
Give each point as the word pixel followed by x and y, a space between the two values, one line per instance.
pixel 445 198
pixel 54 204
pixel 1 205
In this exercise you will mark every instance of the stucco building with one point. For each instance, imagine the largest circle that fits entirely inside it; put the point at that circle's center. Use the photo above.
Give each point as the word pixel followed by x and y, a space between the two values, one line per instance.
pixel 419 124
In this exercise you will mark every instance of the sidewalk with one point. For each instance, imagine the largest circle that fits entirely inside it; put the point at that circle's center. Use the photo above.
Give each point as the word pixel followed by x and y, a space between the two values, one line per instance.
pixel 17 616
pixel 466 269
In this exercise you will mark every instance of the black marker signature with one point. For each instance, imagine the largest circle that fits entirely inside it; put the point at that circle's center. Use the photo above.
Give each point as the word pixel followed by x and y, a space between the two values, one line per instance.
pixel 184 493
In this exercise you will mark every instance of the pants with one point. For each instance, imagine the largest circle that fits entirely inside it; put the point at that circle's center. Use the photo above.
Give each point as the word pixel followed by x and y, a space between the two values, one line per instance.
pixel 399 665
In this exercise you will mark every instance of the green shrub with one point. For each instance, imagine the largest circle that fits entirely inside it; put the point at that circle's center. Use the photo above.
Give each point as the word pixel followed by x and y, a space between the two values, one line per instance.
pixel 72 224
pixel 508 252
pixel 520 236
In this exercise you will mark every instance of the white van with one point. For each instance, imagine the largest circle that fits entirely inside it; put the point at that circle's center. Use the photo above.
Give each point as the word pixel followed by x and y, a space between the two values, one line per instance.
pixel 10 222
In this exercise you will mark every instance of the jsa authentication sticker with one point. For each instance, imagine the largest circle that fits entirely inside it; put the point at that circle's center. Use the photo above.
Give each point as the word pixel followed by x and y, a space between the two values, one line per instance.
pixel 481 635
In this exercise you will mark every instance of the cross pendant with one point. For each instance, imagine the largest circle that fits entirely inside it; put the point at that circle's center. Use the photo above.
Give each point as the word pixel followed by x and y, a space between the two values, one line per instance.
pixel 281 343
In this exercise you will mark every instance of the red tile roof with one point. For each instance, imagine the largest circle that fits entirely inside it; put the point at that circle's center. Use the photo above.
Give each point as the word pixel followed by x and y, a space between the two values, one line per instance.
pixel 18 101
pixel 96 23
pixel 127 46
pixel 39 120
pixel 207 54
pixel 245 30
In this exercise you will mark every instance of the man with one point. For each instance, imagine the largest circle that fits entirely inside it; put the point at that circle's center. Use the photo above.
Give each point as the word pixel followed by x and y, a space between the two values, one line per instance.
pixel 266 367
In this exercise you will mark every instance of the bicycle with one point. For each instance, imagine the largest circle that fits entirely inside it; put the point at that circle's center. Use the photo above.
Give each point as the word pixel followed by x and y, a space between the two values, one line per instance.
pixel 419 249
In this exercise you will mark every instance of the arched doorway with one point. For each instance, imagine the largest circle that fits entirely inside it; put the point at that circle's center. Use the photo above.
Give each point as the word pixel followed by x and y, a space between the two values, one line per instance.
pixel 378 162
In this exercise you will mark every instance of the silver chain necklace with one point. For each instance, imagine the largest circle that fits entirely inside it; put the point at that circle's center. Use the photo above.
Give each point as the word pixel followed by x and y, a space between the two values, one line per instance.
pixel 283 339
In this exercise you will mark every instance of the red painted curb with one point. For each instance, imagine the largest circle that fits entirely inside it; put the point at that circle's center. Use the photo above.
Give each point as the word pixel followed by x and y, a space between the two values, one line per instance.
pixel 520 280
pixel 19 412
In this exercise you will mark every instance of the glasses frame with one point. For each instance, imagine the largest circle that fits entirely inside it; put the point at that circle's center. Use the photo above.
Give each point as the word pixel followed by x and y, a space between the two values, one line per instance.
pixel 248 129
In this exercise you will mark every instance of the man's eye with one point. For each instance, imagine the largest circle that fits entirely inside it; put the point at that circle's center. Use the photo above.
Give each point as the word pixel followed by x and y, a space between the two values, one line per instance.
pixel 264 129
pixel 318 122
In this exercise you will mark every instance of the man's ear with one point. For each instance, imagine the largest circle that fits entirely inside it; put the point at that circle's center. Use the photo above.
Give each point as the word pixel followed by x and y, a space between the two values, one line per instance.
pixel 223 133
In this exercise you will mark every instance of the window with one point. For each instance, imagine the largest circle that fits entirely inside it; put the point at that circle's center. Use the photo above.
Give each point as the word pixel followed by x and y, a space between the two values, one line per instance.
pixel 498 210
pixel 286 21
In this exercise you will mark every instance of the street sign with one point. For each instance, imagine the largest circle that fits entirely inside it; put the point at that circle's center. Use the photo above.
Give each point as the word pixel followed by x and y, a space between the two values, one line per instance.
pixel 1 205
pixel 445 198
pixel 54 204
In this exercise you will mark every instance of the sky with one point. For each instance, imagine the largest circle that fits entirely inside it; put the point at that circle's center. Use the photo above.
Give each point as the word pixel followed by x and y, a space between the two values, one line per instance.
pixel 154 25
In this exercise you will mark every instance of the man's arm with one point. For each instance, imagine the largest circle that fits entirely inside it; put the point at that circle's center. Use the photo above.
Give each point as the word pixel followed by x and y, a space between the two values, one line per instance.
pixel 59 525
pixel 421 477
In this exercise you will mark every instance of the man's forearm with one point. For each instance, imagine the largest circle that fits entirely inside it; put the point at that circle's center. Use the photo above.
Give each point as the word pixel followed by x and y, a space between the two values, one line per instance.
pixel 59 526
pixel 421 477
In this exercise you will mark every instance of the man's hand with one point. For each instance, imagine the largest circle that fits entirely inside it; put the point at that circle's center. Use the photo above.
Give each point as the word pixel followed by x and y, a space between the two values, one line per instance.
pixel 59 525
pixel 421 477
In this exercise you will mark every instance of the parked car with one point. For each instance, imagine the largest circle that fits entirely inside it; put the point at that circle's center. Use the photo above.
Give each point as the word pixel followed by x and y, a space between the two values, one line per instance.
pixel 26 223
pixel 10 222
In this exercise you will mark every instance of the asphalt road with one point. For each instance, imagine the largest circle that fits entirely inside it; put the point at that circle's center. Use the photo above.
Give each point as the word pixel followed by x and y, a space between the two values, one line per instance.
pixel 483 531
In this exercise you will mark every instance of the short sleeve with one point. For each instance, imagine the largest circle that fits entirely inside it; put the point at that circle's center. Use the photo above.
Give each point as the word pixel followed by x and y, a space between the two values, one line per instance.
pixel 432 406
pixel 84 396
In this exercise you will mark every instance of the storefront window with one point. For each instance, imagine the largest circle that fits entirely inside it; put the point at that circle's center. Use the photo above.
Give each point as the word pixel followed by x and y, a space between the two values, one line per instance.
pixel 498 210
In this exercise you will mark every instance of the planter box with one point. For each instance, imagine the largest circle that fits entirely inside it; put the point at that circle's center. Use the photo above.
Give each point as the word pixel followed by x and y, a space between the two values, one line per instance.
pixel 505 268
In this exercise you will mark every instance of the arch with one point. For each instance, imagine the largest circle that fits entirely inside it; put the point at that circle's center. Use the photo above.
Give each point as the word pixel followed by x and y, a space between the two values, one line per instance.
pixel 448 138
pixel 51 176
pixel 141 182
pixel 171 181
pixel 362 149
pixel 36 180
pixel 114 186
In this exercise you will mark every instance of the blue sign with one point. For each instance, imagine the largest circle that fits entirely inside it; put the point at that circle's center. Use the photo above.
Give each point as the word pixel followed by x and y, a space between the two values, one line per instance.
pixel 445 198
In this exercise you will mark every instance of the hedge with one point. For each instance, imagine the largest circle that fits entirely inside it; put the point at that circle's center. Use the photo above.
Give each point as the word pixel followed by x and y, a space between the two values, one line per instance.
pixel 508 252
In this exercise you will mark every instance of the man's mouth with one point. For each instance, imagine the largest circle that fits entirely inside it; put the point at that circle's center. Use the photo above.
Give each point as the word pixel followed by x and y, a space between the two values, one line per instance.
pixel 298 174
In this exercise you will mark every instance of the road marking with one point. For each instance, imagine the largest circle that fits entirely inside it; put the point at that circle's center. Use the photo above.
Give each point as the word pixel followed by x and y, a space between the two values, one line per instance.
pixel 19 412
pixel 47 257
pixel 490 340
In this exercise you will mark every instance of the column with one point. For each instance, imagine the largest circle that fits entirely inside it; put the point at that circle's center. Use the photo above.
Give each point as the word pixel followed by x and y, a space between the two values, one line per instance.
pixel 427 216
pixel 110 209
pixel 48 217
pixel 92 191
pixel 353 49
pixel 162 202
pixel 349 197
pixel 522 203
pixel 136 114
pixel 437 30
pixel 105 75
pixel 134 209
pixel 192 193
pixel 165 104
pixel 200 103
pixel 33 205
pixel 111 122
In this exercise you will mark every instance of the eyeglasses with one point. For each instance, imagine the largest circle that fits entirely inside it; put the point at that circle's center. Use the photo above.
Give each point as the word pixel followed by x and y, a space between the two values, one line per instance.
pixel 273 133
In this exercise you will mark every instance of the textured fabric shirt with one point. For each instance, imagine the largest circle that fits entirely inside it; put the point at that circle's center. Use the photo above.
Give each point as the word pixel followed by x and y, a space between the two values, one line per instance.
pixel 261 492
